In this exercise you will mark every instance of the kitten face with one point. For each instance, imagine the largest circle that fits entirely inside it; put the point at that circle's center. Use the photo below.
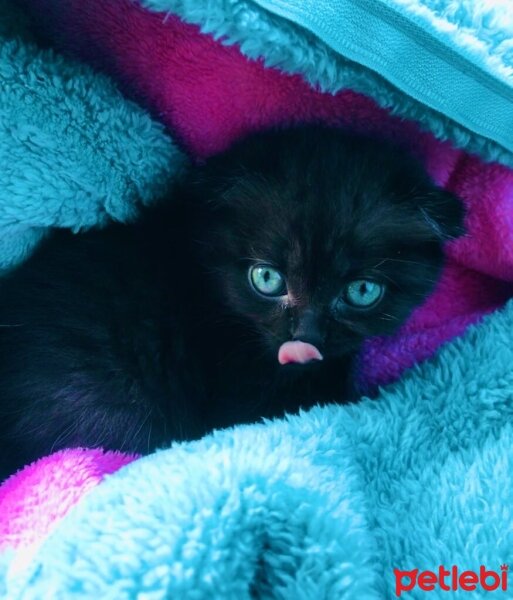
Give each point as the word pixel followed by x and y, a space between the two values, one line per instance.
pixel 318 236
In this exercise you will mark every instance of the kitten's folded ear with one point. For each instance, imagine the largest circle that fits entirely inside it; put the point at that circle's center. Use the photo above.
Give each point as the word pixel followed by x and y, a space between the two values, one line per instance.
pixel 444 213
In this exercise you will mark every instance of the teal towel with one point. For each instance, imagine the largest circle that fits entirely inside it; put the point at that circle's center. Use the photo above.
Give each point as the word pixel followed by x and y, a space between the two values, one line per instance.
pixel 453 57
pixel 446 64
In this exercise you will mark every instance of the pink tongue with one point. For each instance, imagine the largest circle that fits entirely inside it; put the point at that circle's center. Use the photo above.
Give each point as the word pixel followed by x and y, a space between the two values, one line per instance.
pixel 297 352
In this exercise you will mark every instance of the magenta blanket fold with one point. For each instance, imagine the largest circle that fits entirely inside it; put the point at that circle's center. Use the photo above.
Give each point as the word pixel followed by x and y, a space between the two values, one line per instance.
pixel 35 499
pixel 209 94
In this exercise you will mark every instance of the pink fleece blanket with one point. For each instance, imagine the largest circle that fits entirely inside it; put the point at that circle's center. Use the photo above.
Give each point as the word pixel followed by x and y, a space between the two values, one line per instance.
pixel 36 498
pixel 209 94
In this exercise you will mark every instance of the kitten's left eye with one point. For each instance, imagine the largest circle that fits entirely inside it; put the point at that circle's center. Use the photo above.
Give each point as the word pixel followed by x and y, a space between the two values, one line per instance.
pixel 363 293
pixel 267 280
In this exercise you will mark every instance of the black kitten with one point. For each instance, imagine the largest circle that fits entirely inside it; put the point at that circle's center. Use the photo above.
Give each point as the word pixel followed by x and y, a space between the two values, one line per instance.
pixel 247 295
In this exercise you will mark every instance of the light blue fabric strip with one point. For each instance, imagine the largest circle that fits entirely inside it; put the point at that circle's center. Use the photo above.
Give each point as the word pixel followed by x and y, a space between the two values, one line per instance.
pixel 381 36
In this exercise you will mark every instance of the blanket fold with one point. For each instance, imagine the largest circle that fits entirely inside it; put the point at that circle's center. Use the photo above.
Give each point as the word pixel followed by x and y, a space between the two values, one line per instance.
pixel 74 152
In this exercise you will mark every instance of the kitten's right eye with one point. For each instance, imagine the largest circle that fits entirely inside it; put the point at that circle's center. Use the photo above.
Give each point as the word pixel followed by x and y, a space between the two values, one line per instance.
pixel 363 293
pixel 267 280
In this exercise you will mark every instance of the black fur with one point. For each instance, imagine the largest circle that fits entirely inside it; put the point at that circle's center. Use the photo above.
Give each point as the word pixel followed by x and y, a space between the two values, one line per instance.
pixel 140 334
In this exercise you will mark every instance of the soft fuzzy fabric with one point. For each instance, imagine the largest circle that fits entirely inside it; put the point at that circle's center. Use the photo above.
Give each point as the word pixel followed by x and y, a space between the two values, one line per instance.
pixel 74 152
pixel 322 505
pixel 210 94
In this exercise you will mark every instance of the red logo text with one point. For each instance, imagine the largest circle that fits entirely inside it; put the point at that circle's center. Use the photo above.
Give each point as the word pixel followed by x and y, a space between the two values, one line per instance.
pixel 451 580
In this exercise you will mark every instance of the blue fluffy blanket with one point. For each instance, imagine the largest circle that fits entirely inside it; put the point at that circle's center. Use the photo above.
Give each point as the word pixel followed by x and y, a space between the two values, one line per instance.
pixel 73 152
pixel 321 505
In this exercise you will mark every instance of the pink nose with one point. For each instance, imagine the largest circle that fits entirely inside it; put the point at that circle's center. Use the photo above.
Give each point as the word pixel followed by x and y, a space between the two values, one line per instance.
pixel 297 352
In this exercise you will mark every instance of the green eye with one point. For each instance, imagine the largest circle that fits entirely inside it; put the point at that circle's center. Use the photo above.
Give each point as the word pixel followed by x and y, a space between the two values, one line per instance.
pixel 267 280
pixel 363 293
